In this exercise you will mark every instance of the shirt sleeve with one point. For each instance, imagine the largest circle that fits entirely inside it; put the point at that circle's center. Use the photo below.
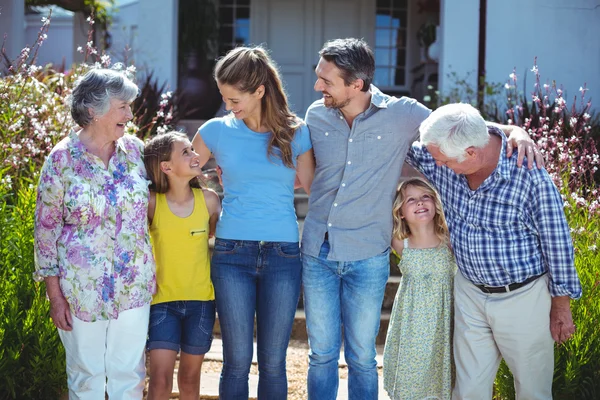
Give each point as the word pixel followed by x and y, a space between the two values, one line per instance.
pixel 48 223
pixel 419 158
pixel 555 238
pixel 419 113
pixel 302 142
pixel 210 132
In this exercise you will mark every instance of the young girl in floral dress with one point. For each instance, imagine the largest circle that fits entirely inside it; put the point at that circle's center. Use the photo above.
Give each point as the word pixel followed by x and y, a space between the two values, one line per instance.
pixel 417 360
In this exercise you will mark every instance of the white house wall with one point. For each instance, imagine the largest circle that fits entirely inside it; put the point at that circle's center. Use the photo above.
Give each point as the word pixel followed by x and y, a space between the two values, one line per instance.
pixel 157 39
pixel 459 24
pixel 12 23
pixel 562 34
pixel 54 50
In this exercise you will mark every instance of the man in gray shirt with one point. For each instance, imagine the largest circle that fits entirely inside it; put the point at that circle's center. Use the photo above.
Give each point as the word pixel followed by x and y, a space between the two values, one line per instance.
pixel 360 138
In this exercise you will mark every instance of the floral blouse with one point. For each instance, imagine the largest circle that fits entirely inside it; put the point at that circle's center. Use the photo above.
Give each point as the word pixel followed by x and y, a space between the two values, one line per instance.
pixel 91 228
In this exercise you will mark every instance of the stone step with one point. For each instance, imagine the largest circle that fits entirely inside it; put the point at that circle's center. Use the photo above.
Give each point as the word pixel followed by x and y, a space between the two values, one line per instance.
pixel 216 354
pixel 299 327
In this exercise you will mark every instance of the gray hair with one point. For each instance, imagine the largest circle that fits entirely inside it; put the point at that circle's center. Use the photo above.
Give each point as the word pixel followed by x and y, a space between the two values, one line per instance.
pixel 353 57
pixel 454 128
pixel 93 91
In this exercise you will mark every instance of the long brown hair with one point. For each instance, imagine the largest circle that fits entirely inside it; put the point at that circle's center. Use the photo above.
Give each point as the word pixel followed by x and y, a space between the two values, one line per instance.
pixel 157 150
pixel 246 68
pixel 401 228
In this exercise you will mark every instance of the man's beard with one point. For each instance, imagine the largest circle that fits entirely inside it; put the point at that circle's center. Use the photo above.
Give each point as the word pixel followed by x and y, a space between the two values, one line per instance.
pixel 336 105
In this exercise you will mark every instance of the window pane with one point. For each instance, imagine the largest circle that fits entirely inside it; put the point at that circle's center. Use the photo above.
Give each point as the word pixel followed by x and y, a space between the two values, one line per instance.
pixel 399 78
pixel 390 42
pixel 400 57
pixel 382 76
pixel 382 20
pixel 383 38
pixel 242 34
pixel 243 2
pixel 400 15
pixel 382 56
pixel 242 12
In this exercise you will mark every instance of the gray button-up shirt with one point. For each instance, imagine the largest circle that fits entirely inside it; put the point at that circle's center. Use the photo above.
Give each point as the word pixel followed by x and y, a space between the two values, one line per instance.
pixel 357 171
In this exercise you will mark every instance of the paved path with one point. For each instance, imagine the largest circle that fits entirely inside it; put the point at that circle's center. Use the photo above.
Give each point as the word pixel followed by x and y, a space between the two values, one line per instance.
pixel 210 381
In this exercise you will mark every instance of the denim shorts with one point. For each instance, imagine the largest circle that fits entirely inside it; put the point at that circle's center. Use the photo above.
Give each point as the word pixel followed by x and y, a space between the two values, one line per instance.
pixel 185 325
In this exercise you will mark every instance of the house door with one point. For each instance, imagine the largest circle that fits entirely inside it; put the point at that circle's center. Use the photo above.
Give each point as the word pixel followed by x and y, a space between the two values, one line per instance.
pixel 295 30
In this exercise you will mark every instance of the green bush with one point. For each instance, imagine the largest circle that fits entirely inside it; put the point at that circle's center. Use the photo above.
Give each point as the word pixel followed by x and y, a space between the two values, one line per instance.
pixel 32 360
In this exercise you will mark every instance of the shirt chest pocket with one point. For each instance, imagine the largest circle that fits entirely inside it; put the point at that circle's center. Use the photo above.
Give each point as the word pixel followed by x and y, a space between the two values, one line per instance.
pixel 330 146
pixel 377 144
pixel 500 219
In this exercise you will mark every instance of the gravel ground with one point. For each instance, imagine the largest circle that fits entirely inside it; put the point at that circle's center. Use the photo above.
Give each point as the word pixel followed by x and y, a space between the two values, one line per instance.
pixel 297 365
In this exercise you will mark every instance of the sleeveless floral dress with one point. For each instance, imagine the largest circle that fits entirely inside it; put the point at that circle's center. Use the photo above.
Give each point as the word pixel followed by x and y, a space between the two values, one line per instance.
pixel 417 360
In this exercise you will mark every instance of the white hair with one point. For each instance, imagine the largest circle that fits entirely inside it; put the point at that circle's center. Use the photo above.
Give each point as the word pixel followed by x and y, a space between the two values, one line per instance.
pixel 94 90
pixel 454 128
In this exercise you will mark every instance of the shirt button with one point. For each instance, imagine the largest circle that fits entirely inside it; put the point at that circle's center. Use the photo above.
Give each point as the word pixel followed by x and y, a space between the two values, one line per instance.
pixel 329 224
pixel 350 140
pixel 378 137
pixel 343 185
pixel 341 117
pixel 349 162
pixel 335 204
pixel 326 133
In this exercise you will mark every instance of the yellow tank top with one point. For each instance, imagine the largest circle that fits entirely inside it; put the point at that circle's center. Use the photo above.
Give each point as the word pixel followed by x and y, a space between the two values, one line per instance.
pixel 181 252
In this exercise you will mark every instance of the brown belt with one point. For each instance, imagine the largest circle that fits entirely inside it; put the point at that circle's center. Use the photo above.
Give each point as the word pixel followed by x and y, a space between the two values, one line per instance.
pixel 508 288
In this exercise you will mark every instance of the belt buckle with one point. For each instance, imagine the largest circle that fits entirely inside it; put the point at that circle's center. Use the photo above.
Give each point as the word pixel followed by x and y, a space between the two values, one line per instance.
pixel 486 289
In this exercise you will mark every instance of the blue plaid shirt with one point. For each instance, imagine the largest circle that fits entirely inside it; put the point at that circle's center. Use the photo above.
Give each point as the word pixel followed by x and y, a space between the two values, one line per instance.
pixel 510 228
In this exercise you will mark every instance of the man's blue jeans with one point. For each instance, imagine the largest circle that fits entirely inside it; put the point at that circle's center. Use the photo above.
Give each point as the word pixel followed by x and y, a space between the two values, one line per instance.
pixel 347 294
pixel 261 277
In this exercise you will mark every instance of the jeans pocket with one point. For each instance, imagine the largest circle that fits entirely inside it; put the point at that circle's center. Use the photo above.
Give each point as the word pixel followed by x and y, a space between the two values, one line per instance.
pixel 206 321
pixel 158 313
pixel 288 249
pixel 224 246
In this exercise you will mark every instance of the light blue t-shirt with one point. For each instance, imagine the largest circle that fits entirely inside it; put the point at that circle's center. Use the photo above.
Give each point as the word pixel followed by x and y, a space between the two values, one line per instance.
pixel 258 197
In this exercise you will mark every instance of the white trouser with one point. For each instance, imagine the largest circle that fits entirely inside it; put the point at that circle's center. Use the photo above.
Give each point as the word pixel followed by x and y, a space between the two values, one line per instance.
pixel 514 326
pixel 107 356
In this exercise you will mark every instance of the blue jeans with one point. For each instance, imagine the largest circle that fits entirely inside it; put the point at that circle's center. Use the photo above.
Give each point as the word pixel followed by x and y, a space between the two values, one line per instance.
pixel 348 294
pixel 255 277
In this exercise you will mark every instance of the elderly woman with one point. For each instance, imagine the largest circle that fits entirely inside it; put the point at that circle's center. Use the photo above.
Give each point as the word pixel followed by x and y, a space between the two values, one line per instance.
pixel 92 245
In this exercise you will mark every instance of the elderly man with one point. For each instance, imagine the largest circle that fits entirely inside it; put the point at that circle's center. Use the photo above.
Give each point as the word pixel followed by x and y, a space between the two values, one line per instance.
pixel 513 249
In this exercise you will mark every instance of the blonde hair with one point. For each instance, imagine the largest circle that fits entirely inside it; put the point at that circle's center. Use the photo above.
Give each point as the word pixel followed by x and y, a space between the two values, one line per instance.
pixel 157 150
pixel 401 228
pixel 246 68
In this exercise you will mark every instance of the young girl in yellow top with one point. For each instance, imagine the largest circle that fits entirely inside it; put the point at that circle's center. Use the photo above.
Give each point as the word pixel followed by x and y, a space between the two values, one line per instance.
pixel 417 362
pixel 182 216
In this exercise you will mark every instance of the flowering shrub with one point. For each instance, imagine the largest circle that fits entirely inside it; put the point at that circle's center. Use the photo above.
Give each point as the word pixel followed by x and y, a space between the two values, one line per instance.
pixel 34 116
pixel 564 136
pixel 35 112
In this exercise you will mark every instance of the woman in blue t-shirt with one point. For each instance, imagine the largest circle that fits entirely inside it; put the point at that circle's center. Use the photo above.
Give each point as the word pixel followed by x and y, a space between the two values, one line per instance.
pixel 256 266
